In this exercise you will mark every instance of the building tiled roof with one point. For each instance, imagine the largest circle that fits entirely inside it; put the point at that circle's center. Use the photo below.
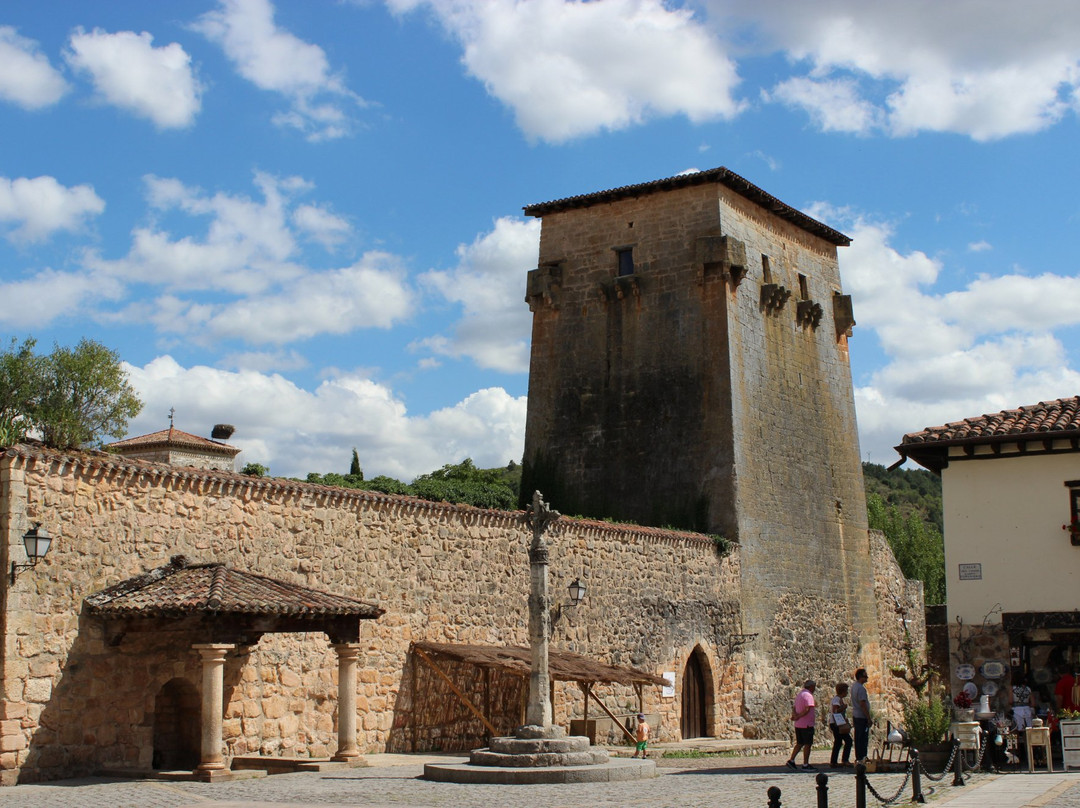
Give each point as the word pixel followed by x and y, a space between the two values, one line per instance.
pixel 719 175
pixel 1047 420
pixel 175 438
pixel 181 588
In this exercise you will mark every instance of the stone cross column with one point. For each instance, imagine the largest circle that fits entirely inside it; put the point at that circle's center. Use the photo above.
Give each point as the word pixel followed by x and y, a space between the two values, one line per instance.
pixel 213 704
pixel 347 654
pixel 538 712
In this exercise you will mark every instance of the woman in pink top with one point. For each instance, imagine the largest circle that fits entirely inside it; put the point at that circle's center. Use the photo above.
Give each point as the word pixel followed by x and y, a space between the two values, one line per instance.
pixel 804 715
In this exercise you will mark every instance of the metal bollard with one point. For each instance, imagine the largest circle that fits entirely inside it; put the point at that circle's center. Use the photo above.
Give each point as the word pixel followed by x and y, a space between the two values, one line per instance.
pixel 822 790
pixel 916 778
pixel 860 785
pixel 958 764
pixel 774 797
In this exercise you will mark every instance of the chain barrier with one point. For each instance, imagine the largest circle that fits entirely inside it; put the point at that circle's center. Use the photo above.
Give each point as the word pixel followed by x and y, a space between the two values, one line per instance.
pixel 938 777
pixel 899 791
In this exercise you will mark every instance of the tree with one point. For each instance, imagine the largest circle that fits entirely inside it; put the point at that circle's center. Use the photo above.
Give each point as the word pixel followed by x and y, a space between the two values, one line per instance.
pixel 918 547
pixel 255 470
pixel 354 467
pixel 72 397
pixel 20 375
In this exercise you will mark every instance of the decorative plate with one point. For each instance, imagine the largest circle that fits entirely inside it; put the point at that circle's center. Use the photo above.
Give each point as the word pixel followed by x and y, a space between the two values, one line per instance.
pixel 965 672
pixel 1042 676
pixel 989 688
pixel 993 669
pixel 971 690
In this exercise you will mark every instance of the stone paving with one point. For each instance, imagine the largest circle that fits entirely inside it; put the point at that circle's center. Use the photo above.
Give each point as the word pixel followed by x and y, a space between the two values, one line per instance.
pixel 393 780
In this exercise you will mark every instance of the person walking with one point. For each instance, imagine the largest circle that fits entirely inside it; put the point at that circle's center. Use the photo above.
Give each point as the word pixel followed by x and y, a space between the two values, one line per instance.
pixel 804 714
pixel 840 727
pixel 861 718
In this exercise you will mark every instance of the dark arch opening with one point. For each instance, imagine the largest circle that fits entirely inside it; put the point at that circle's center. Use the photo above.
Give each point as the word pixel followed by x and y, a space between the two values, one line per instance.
pixel 696 696
pixel 177 712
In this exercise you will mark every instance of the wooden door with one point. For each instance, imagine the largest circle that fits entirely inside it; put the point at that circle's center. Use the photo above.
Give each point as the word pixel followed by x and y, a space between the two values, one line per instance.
pixel 693 699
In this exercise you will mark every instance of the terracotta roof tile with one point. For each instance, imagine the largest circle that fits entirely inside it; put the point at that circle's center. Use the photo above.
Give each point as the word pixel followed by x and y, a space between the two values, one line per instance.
pixel 719 175
pixel 174 437
pixel 1037 420
pixel 181 588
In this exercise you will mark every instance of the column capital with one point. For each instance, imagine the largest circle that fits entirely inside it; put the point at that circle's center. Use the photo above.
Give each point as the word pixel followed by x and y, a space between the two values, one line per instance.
pixel 346 650
pixel 213 651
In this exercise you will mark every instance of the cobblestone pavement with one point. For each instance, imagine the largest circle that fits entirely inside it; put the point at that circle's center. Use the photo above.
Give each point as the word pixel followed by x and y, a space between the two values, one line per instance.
pixel 693 783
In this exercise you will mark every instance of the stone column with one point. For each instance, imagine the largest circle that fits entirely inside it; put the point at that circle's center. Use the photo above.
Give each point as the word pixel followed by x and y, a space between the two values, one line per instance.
pixel 538 711
pixel 347 654
pixel 213 704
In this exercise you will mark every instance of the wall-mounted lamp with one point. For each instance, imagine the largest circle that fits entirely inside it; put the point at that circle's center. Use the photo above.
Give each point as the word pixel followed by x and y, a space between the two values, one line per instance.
pixel 577 592
pixel 37 542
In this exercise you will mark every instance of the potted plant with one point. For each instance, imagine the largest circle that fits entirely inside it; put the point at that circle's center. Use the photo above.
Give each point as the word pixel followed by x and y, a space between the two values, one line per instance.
pixel 926 720
pixel 964 707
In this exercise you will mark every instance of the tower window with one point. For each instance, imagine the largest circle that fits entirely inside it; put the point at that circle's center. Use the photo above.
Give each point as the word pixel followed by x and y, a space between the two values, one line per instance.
pixel 804 291
pixel 766 270
pixel 625 257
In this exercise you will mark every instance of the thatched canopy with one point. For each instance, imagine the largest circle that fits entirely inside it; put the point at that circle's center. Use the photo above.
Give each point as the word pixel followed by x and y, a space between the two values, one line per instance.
pixel 563 665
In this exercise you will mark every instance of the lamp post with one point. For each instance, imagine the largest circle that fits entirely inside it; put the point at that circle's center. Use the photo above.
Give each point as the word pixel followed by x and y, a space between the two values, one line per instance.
pixel 37 542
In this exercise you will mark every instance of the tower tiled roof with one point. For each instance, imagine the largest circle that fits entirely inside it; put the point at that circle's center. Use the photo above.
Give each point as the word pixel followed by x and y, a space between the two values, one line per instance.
pixel 1046 420
pixel 181 588
pixel 176 438
pixel 719 175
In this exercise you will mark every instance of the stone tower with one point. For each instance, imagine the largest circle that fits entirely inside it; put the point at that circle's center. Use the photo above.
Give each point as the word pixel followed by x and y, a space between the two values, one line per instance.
pixel 690 369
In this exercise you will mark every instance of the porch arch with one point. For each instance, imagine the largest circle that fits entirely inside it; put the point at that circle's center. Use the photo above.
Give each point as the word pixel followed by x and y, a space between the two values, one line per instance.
pixel 176 726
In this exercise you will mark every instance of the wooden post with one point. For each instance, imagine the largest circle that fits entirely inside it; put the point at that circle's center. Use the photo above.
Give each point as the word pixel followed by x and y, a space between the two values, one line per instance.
pixel 611 715
pixel 457 691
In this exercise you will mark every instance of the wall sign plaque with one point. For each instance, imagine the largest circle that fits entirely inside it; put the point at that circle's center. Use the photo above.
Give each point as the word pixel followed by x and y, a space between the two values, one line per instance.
pixel 971 572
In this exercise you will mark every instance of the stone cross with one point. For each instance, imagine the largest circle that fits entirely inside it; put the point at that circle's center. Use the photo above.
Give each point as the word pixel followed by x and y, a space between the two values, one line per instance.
pixel 539 516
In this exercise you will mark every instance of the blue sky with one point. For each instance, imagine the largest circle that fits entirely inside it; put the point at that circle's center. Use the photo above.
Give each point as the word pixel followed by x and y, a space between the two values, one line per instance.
pixel 304 218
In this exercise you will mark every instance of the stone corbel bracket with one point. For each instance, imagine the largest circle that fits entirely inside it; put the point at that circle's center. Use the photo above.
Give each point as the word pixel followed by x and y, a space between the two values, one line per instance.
pixel 543 285
pixel 843 315
pixel 808 314
pixel 773 297
pixel 720 257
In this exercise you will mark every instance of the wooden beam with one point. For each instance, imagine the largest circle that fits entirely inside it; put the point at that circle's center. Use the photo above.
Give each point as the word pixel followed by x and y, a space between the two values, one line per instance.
pixel 611 715
pixel 457 690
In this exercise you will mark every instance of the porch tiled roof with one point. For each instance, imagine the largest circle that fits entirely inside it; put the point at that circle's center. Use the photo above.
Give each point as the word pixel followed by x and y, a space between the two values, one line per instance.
pixel 180 588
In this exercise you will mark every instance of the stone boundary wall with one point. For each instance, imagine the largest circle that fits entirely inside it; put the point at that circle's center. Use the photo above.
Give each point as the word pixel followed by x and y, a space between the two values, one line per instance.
pixel 74 703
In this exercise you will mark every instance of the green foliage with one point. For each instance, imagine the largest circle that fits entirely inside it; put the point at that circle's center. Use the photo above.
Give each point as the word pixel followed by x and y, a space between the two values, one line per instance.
pixel 460 483
pixel 911 490
pixel 255 470
pixel 72 397
pixel 464 482
pixel 918 547
pixel 926 720
pixel 354 466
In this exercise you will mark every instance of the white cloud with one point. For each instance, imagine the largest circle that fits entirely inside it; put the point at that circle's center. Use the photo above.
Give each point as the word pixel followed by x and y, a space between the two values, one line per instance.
pixel 26 77
pixel 489 285
pixel 983 68
pixel 320 225
pixel 569 69
pixel 834 105
pixel 275 60
pixel 296 431
pixel 41 206
pixel 129 72
pixel 48 295
pixel 980 246
pixel 993 344
pixel 372 293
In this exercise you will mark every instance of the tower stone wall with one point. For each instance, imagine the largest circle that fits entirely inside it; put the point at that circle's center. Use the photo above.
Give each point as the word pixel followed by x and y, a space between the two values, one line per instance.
pixel 708 387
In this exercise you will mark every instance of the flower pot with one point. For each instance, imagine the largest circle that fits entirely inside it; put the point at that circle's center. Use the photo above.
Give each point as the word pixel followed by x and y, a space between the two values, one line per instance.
pixel 934 756
pixel 964 714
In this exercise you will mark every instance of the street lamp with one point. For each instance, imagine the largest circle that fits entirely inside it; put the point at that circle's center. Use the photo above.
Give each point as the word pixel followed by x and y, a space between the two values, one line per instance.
pixel 577 592
pixel 36 541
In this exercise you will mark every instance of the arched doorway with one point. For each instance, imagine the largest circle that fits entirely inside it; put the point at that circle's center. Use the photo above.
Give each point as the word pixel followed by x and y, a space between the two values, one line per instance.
pixel 696 696
pixel 177 710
